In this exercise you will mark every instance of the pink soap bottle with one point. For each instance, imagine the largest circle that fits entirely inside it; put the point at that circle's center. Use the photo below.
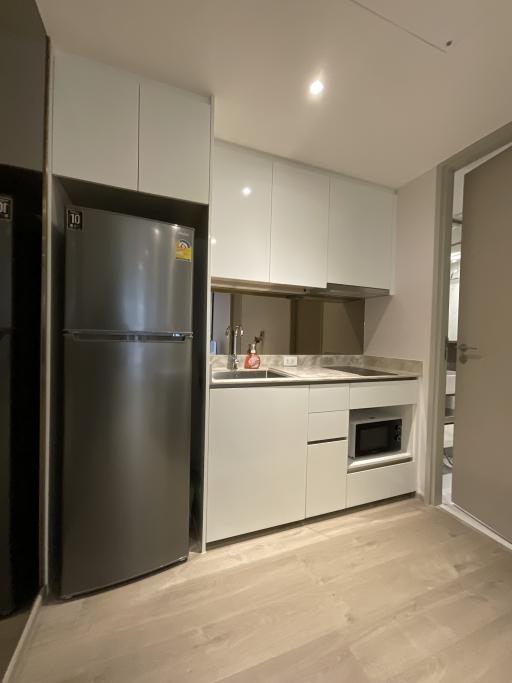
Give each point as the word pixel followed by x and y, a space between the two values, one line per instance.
pixel 252 360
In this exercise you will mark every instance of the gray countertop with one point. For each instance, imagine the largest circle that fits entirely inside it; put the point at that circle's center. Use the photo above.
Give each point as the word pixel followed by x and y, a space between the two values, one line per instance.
pixel 306 373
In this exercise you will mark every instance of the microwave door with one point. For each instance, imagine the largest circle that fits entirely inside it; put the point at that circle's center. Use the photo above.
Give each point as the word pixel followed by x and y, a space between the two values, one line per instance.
pixel 374 438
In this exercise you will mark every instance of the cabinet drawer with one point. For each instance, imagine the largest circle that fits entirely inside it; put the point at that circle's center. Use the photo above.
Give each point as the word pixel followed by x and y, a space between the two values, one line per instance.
pixel 332 425
pixel 328 397
pixel 380 394
pixel 382 482
pixel 326 477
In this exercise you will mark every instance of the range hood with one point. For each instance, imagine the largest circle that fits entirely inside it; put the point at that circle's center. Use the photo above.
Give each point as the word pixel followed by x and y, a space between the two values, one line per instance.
pixel 333 292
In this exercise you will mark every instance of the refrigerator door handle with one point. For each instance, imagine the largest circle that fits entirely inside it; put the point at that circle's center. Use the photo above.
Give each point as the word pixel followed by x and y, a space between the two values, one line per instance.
pixel 106 335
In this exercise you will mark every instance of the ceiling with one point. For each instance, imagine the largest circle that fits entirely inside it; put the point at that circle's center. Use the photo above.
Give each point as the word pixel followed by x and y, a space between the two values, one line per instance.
pixel 397 99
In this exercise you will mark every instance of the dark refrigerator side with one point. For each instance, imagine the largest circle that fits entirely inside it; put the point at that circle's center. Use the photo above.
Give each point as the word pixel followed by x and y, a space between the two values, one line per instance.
pixel 20 280
pixel 6 587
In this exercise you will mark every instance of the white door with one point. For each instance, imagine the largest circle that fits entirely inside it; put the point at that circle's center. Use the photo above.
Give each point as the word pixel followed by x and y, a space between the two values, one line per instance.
pixel 300 223
pixel 241 210
pixel 361 227
pixel 95 122
pixel 174 143
pixel 482 472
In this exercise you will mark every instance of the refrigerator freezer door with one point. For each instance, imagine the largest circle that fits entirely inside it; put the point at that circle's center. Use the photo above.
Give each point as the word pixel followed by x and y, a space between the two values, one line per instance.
pixel 5 274
pixel 127 274
pixel 126 460
pixel 6 596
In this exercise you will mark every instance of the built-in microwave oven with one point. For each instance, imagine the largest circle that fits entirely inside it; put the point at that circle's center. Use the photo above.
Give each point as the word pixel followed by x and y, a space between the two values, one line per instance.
pixel 372 435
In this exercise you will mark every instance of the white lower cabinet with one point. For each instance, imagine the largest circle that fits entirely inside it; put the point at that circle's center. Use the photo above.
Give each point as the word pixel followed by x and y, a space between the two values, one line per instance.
pixel 384 394
pixel 323 426
pixel 328 397
pixel 326 489
pixel 257 459
pixel 263 469
pixel 381 482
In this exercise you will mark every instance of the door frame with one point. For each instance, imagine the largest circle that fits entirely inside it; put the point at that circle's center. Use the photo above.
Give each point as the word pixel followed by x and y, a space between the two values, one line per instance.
pixel 440 301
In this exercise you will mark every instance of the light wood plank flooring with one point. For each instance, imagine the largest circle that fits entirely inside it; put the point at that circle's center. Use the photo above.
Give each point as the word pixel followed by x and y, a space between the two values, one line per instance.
pixel 399 592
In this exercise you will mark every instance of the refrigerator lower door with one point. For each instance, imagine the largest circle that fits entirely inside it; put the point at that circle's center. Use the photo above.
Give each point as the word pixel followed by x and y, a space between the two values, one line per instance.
pixel 126 459
pixel 6 589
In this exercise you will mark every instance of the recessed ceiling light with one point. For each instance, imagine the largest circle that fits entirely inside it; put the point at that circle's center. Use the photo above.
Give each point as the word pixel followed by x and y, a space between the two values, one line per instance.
pixel 316 88
pixel 246 191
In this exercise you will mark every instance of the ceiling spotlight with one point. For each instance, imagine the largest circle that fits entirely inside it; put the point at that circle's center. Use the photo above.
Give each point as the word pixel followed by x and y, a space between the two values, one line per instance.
pixel 316 88
pixel 246 191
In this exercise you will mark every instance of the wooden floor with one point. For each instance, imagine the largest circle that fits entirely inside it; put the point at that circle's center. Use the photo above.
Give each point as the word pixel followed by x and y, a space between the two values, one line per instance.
pixel 400 593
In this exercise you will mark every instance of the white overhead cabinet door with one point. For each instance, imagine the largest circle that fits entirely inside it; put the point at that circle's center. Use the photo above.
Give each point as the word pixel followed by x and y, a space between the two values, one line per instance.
pixel 174 143
pixel 300 214
pixel 361 225
pixel 241 211
pixel 95 122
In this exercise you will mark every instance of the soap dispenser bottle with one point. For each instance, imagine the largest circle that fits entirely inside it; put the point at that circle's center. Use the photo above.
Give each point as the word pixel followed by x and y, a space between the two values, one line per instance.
pixel 252 360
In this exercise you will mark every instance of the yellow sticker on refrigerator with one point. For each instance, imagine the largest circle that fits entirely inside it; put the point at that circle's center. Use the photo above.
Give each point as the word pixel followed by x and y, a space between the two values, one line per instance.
pixel 183 250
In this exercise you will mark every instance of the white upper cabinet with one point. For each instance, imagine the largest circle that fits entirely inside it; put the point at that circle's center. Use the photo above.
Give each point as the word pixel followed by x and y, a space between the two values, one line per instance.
pixel 95 122
pixel 361 228
pixel 241 213
pixel 284 223
pixel 174 143
pixel 300 215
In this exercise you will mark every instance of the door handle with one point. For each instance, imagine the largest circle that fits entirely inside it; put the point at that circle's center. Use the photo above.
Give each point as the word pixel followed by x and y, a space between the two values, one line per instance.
pixel 464 348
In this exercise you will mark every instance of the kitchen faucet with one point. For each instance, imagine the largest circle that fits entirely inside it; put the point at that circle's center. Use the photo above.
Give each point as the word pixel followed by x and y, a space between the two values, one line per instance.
pixel 233 333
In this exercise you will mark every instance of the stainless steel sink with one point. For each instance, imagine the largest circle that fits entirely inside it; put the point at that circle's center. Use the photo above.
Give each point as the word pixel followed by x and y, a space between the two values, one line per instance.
pixel 248 374
pixel 361 372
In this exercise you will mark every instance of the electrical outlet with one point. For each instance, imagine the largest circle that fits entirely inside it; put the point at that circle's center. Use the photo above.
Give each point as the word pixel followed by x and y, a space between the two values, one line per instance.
pixel 290 361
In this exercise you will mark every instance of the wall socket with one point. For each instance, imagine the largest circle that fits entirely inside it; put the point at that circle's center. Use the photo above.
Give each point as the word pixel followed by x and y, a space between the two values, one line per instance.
pixel 290 361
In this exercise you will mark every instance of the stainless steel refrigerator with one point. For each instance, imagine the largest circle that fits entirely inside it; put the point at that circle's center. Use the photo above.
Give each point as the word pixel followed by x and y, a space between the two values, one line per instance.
pixel 127 391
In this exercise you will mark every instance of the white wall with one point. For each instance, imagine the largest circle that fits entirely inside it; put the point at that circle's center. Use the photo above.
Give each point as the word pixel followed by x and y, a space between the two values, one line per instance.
pixel 400 325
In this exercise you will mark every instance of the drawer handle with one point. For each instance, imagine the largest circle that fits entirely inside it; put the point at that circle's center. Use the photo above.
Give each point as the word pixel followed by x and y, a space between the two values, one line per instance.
pixel 341 438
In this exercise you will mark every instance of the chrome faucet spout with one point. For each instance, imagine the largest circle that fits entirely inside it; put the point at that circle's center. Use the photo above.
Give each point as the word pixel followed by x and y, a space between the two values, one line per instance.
pixel 233 334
